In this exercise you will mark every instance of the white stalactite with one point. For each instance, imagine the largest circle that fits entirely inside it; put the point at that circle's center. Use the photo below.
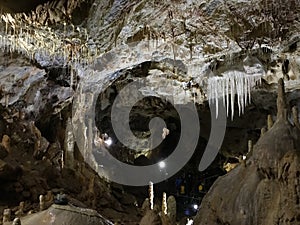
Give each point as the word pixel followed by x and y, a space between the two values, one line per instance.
pixel 231 84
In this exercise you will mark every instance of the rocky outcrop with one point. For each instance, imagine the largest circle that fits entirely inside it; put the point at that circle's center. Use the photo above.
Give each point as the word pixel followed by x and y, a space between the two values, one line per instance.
pixel 58 214
pixel 46 11
pixel 19 5
pixel 265 189
pixel 35 105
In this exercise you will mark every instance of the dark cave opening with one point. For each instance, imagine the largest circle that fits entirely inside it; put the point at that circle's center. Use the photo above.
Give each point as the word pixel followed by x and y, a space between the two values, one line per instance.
pixel 140 117
pixel 196 183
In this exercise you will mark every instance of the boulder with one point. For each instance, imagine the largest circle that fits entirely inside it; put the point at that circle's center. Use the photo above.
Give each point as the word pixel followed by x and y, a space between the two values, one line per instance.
pixel 65 214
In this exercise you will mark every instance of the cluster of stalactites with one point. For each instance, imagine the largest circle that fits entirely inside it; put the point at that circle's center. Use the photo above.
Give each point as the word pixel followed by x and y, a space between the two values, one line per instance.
pixel 230 84
pixel 38 42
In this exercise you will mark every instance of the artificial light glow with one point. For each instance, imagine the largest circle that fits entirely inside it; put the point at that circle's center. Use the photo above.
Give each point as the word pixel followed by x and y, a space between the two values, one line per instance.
pixel 190 222
pixel 162 164
pixel 244 157
pixel 195 206
pixel 108 141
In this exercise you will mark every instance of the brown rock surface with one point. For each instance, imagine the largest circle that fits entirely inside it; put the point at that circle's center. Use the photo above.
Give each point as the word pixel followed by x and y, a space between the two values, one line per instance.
pixel 57 214
pixel 3 152
pixel 151 218
pixel 267 189
pixel 7 172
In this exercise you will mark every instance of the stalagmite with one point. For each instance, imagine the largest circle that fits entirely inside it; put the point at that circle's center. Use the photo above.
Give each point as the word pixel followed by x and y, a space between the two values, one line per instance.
pixel 42 202
pixel 49 197
pixel 172 209
pixel 145 206
pixel 281 101
pixel 20 211
pixel 6 215
pixel 263 131
pixel 164 207
pixel 250 146
pixel 151 195
pixel 69 145
pixel 6 142
pixel 62 160
pixel 270 122
pixel 16 221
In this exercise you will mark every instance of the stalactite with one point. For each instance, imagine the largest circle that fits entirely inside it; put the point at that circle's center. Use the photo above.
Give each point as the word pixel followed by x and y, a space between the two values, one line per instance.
pixel 227 96
pixel 231 84
pixel 42 43
pixel 232 95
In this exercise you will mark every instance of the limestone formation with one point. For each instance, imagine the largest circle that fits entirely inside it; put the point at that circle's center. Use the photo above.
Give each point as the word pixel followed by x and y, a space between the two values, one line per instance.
pixel 263 131
pixel 6 215
pixel 45 55
pixel 250 146
pixel 281 101
pixel 164 211
pixel 16 221
pixel 295 117
pixel 49 197
pixel 270 122
pixel 7 171
pixel 69 145
pixel 42 202
pixel 20 211
pixel 266 190
pixel 41 144
pixel 164 207
pixel 3 152
pixel 172 209
pixel 58 215
pixel 151 195
pixel 145 206
pixel 6 142
pixel 151 218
